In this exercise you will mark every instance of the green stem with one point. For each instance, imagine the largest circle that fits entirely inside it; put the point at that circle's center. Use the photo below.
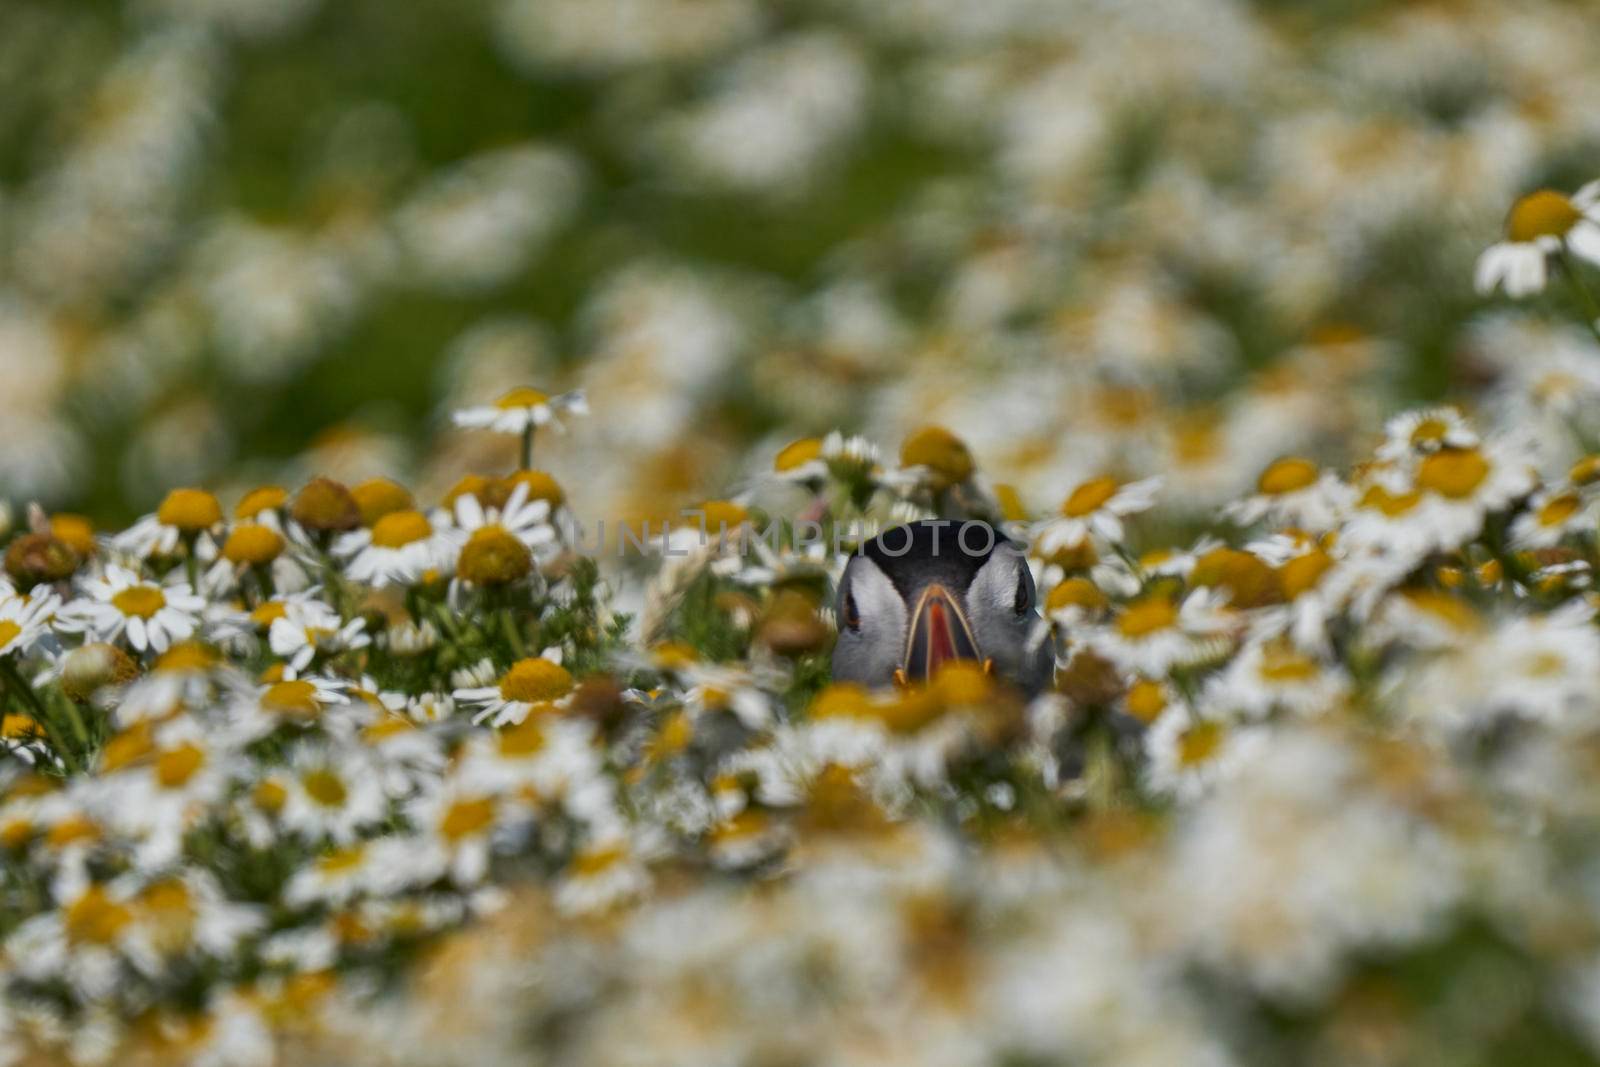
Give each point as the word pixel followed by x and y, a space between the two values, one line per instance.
pixel 15 680
pixel 519 648
pixel 527 448
pixel 1591 310
pixel 75 719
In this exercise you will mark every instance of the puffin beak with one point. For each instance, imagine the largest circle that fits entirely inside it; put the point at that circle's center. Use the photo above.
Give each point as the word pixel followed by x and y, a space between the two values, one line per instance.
pixel 940 633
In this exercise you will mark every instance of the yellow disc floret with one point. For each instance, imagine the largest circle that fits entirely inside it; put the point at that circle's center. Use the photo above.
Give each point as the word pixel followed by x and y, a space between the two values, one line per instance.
pixel 190 510
pixel 535 680
pixel 524 397
pixel 253 545
pixel 1089 497
pixel 797 454
pixel 1453 472
pixel 943 453
pixel 1544 213
pixel 1287 475
pixel 493 556
pixel 400 528
pixel 139 601
pixel 378 497
pixel 326 506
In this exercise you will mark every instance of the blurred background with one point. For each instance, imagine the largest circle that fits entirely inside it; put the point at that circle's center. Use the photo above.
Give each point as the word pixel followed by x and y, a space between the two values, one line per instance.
pixel 244 240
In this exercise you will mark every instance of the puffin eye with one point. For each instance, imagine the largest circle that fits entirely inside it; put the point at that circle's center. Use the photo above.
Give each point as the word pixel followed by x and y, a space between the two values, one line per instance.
pixel 852 617
pixel 1021 605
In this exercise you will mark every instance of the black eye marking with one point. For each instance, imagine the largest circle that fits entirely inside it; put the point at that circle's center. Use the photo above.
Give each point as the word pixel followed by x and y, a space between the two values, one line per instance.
pixel 1022 604
pixel 852 617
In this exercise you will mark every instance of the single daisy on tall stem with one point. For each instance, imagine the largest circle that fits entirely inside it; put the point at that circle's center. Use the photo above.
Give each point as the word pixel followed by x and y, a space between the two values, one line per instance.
pixel 1542 225
pixel 522 411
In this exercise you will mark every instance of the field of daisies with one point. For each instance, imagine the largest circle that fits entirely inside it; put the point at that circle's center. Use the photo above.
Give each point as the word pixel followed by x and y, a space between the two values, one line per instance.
pixel 431 433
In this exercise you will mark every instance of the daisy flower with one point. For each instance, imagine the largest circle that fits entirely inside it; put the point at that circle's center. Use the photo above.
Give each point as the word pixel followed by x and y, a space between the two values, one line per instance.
pixel 332 792
pixel 1423 430
pixel 300 701
pixel 1542 224
pixel 456 826
pixel 1155 633
pixel 518 410
pixel 1292 491
pixel 120 604
pixel 497 545
pixel 1189 754
pixel 398 549
pixel 535 682
pixel 185 517
pixel 309 626
pixel 1552 514
pixel 1094 511
pixel 25 620
pixel 1272 674
pixel 603 873
pixel 522 411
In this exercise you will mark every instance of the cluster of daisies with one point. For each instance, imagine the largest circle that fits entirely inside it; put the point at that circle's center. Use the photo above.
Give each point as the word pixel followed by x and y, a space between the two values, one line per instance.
pixel 332 769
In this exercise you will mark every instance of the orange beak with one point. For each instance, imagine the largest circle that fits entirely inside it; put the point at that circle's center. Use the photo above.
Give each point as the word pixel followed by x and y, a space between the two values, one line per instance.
pixel 939 634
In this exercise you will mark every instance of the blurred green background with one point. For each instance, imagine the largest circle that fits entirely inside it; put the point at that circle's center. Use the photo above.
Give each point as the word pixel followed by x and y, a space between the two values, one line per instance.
pixel 244 239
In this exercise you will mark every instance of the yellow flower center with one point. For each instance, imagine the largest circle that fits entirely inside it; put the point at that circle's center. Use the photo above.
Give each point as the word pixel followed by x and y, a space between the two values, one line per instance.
pixel 325 787
pixel 522 740
pixel 721 515
pixel 269 796
pixel 1303 572
pixel 1283 664
pixel 1448 609
pixel 190 510
pixel 841 699
pixel 72 830
pixel 535 679
pixel 797 454
pixel 1429 431
pixel 1147 616
pixel 1012 509
pixel 139 601
pixel 94 918
pixel 1146 700
pixel 15 833
pixel 266 498
pixel 541 486
pixel 342 860
pixel 252 545
pixel 942 452
pixel 176 766
pixel 1453 472
pixel 1585 471
pixel 1391 504
pixel 400 528
pixel 466 818
pixel 1199 743
pixel 493 556
pixel 522 398
pixel 16 727
pixel 8 632
pixel 296 699
pixel 75 531
pixel 378 497
pixel 269 613
pixel 1545 213
pixel 1554 512
pixel 1248 581
pixel 126 747
pixel 1075 593
pixel 592 861
pixel 1287 475
pixel 1089 497
pixel 325 505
